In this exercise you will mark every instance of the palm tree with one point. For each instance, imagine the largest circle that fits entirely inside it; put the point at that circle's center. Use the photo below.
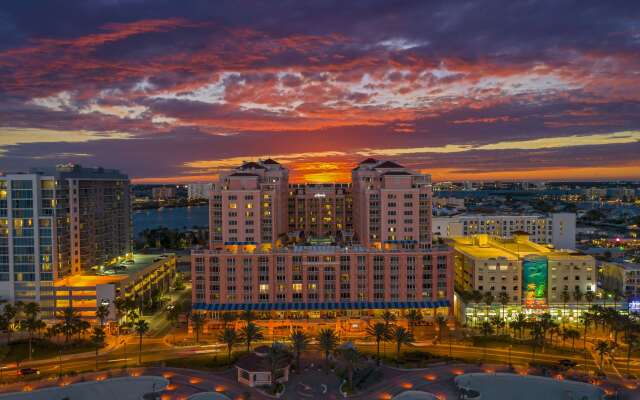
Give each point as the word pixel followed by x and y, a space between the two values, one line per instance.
pixel 31 324
pixel 197 321
pixel 537 336
pixel 380 332
pixel 102 313
pixel 414 317
pixel 97 338
pixel 565 296
pixel 328 341
pixel 488 298
pixel 503 299
pixel 589 297
pixel 498 323
pixel 587 319
pixel 69 322
pixel 299 342
pixel 572 334
pixel 521 321
pixel 229 336
pixel 173 316
pixel 401 336
pixel 227 318
pixel 602 348
pixel 388 317
pixel 140 327
pixel 248 316
pixel 81 327
pixel 250 333
pixel 577 295
pixel 476 297
pixel 486 328
pixel 350 356
pixel 276 356
pixel 9 314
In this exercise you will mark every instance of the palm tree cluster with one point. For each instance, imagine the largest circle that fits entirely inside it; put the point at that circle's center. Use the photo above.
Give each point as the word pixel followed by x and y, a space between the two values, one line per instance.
pixel 386 331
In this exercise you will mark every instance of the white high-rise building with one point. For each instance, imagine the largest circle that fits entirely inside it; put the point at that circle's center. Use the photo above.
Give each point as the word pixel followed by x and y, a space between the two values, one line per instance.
pixel 198 191
pixel 558 229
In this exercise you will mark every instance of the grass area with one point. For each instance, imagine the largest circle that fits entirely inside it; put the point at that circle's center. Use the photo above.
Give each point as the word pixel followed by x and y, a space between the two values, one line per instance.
pixel 205 362
pixel 42 348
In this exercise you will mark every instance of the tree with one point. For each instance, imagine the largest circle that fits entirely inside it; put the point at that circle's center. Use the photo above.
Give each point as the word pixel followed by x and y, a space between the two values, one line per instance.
pixel 537 336
pixel 476 297
pixel 102 313
pixel 414 317
pixel 82 327
pixel 97 338
pixel 486 328
pixel 32 323
pixel 503 299
pixel 380 332
pixel 402 336
pixel 350 356
pixel 488 298
pixel 388 317
pixel 520 322
pixel 589 297
pixel 632 339
pixel 197 322
pixel 299 341
pixel 141 327
pixel 9 314
pixel 230 337
pixel 602 348
pixel 247 316
pixel 587 319
pixel 577 294
pixel 250 333
pixel 573 335
pixel 173 316
pixel 328 341
pixel 565 296
pixel 276 356
pixel 227 318
pixel 69 322
pixel 498 323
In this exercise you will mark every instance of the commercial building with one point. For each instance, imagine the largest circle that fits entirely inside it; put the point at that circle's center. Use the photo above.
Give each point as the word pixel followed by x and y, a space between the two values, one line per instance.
pixel 198 191
pixel 558 229
pixel 622 278
pixel 59 222
pixel 140 277
pixel 530 274
pixel 375 253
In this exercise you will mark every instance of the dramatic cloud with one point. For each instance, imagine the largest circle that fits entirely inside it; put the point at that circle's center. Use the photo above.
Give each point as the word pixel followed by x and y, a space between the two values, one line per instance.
pixel 475 90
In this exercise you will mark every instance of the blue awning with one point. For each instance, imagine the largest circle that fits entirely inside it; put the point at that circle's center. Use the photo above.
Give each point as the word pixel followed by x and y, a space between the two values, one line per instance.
pixel 314 306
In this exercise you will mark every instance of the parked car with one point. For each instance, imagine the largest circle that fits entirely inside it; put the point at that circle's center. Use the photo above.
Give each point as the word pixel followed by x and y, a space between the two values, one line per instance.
pixel 28 371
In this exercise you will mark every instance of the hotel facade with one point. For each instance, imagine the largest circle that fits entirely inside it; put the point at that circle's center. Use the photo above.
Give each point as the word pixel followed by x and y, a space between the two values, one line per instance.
pixel 306 252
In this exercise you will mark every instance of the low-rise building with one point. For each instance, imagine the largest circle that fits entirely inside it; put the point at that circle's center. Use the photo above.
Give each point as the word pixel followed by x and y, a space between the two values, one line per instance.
pixel 620 277
pixel 558 229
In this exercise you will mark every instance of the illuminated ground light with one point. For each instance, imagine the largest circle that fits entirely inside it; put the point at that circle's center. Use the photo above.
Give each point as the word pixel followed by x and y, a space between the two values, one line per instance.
pixel 523 372
pixel 631 386
pixel 135 374
pixel 385 396
pixel 64 383
pixel 559 377
pixel 100 378
pixel 609 392
pixel 219 389
pixel 167 397
pixel 457 372
pixel 431 377
pixel 195 381
pixel 441 396
pixel 171 387
pixel 167 375
pixel 406 385
pixel 27 388
pixel 490 371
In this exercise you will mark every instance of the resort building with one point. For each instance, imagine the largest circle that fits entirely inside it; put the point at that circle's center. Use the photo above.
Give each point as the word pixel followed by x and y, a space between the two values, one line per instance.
pixel 364 248
pixel 59 222
pixel 320 211
pixel 558 229
pixel 533 276
pixel 249 205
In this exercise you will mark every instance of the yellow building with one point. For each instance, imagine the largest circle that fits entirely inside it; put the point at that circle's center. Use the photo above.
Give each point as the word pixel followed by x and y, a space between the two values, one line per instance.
pixel 529 273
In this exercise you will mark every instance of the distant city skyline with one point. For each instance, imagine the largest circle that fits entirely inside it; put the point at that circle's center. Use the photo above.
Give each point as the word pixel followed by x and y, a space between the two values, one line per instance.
pixel 179 92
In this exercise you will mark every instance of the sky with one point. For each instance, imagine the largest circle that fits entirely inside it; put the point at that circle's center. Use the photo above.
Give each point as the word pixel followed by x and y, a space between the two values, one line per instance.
pixel 178 91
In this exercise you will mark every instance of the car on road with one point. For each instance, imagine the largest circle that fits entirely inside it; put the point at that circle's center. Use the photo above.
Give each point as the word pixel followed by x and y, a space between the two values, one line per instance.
pixel 28 371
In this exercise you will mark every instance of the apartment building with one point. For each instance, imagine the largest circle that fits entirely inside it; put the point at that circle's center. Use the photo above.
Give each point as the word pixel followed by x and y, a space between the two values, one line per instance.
pixel 321 210
pixel 391 205
pixel 198 191
pixel 249 205
pixel 163 193
pixel 529 273
pixel 57 222
pixel 558 229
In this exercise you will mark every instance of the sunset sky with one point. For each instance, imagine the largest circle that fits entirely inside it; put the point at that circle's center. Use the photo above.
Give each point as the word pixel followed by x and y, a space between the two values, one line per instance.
pixel 176 91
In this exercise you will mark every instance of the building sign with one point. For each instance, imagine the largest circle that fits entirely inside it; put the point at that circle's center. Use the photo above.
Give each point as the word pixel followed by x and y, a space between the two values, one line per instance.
pixel 534 280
